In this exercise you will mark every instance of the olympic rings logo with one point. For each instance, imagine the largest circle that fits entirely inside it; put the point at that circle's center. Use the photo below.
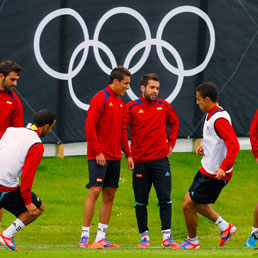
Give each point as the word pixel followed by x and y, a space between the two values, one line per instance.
pixel 147 43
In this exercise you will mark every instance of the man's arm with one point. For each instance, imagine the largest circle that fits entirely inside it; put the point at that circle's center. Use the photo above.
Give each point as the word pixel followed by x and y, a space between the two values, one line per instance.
pixel 124 140
pixel 173 123
pixel 93 116
pixel 17 119
pixel 253 134
pixel 31 163
pixel 226 132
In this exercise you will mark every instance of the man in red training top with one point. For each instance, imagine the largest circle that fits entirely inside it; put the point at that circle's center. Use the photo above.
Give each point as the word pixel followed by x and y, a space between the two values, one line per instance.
pixel 21 151
pixel 10 105
pixel 253 134
pixel 106 136
pixel 219 150
pixel 147 119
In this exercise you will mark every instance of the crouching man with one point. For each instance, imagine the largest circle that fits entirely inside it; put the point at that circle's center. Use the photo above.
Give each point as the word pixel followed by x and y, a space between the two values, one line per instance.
pixel 21 151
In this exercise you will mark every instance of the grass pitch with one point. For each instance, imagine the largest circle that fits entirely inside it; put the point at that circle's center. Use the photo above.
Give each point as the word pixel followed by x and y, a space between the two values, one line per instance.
pixel 61 185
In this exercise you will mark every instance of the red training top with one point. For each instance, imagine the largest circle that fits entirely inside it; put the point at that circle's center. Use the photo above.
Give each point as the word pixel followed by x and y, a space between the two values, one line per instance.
pixel 11 110
pixel 253 133
pixel 104 128
pixel 226 132
pixel 147 121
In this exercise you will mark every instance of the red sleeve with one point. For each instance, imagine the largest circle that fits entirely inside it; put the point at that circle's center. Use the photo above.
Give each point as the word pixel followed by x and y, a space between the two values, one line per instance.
pixel 226 132
pixel 253 133
pixel 124 142
pixel 1 134
pixel 17 119
pixel 94 114
pixel 173 123
pixel 31 163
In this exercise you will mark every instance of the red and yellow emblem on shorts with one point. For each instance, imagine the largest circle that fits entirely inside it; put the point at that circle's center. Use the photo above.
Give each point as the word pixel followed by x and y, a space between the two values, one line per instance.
pixel 139 175
pixel 99 180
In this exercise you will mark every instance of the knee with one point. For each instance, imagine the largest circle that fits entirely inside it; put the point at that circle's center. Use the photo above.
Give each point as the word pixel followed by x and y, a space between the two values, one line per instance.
pixel 41 209
pixel 94 192
pixel 109 195
pixel 188 206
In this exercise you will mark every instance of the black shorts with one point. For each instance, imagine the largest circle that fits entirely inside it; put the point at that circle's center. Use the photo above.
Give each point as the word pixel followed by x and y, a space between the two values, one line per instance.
pixel 13 202
pixel 105 176
pixel 205 189
pixel 156 173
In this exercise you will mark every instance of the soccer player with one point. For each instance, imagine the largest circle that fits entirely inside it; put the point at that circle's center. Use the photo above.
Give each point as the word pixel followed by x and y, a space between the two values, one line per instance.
pixel 253 133
pixel 147 119
pixel 106 136
pixel 21 151
pixel 219 150
pixel 10 105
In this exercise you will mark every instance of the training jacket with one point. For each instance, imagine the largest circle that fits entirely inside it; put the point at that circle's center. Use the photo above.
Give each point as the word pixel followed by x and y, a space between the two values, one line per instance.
pixel 21 151
pixel 11 110
pixel 225 143
pixel 253 133
pixel 104 128
pixel 147 122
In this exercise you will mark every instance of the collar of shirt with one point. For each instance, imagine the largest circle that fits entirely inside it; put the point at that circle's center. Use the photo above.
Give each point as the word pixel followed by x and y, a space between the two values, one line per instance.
pixel 35 128
pixel 110 91
pixel 147 102
pixel 213 110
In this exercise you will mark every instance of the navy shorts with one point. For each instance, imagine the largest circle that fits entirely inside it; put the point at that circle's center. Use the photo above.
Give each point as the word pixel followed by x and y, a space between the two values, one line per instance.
pixel 205 189
pixel 13 202
pixel 105 176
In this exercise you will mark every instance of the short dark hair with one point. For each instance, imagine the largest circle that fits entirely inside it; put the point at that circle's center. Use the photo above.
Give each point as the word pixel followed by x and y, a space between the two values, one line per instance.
pixel 147 77
pixel 208 89
pixel 119 73
pixel 8 66
pixel 44 117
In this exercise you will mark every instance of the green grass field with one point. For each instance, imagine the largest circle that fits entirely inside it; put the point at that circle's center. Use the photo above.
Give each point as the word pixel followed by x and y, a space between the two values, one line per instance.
pixel 61 185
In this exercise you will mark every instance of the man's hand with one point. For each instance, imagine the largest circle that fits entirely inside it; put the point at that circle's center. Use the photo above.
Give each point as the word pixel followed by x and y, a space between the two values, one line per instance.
pixel 130 163
pixel 257 161
pixel 199 150
pixel 170 152
pixel 33 210
pixel 100 160
pixel 220 173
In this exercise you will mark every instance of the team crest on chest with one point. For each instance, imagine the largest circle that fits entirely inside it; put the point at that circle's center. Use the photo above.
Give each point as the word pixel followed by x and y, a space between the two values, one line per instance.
pixel 141 111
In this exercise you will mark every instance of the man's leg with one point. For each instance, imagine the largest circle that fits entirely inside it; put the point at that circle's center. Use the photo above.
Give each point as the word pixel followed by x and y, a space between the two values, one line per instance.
pixel 161 177
pixel 252 240
pixel 90 204
pixel 190 214
pixel 108 196
pixel 14 204
pixel 1 214
pixel 142 182
pixel 256 216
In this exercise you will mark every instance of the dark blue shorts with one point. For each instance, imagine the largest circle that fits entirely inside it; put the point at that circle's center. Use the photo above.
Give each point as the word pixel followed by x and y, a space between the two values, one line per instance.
pixel 13 202
pixel 205 189
pixel 105 176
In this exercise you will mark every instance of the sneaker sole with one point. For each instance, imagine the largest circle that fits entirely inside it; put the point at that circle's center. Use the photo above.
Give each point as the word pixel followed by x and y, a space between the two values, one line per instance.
pixel 231 234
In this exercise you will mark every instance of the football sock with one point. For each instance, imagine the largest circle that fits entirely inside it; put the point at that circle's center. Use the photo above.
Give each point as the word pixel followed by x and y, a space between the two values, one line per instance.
pixel 85 231
pixel 255 233
pixel 166 233
pixel 145 235
pixel 194 240
pixel 102 230
pixel 221 223
pixel 14 228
